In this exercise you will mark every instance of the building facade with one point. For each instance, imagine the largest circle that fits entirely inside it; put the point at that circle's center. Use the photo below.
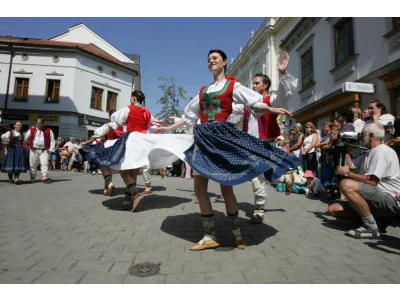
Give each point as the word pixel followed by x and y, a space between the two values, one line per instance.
pixel 262 55
pixel 72 85
pixel 327 52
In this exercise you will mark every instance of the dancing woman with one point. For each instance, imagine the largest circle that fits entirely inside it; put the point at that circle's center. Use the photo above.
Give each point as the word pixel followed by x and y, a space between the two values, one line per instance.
pixel 223 153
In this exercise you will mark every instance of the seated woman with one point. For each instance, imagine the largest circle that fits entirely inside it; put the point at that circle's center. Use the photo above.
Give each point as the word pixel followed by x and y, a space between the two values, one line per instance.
pixel 314 186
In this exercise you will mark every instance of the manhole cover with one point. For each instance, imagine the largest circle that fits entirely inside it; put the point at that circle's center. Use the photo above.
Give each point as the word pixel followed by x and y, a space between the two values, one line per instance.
pixel 144 270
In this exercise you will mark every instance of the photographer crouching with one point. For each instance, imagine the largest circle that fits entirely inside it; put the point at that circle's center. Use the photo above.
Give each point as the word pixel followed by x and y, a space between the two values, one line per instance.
pixel 371 193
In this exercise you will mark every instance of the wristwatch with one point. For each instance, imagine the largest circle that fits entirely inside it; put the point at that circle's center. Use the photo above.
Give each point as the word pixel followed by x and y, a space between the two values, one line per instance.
pixel 347 174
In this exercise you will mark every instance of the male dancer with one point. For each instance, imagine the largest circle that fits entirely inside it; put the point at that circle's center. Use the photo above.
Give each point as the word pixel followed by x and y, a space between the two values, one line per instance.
pixel 266 127
pixel 41 142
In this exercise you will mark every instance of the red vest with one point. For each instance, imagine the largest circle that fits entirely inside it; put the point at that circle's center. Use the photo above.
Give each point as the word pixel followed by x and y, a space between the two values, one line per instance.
pixel 216 106
pixel 267 124
pixel 12 137
pixel 116 134
pixel 138 119
pixel 47 138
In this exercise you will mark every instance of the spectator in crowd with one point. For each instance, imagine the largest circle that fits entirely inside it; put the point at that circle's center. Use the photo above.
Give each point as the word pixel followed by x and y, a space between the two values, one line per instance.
pixel 380 116
pixel 357 122
pixel 308 149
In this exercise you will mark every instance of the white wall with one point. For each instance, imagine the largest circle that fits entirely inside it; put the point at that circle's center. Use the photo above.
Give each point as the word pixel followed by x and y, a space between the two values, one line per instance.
pixel 76 83
pixel 82 34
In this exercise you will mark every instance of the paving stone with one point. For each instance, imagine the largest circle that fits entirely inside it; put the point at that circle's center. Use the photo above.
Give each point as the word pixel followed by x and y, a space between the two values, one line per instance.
pixel 342 271
pixel 142 257
pixel 82 254
pixel 264 276
pixel 333 281
pixel 201 267
pixel 18 264
pixel 171 268
pixel 233 265
pixel 60 277
pixel 155 279
pixel 225 277
pixel 372 279
pixel 19 276
pixel 301 273
pixel 304 261
pixel 92 266
pixel 118 256
pixel 121 267
pixel 372 270
pixel 336 259
pixel 54 265
pixel 186 278
pixel 103 278
pixel 394 278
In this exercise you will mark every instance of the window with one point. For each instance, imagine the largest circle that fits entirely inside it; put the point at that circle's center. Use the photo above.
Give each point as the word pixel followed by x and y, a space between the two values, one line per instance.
pixel 111 101
pixel 21 89
pixel 52 91
pixel 307 69
pixel 97 98
pixel 396 23
pixel 344 40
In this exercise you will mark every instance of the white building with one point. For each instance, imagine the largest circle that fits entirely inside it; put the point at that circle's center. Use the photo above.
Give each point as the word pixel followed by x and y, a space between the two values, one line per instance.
pixel 72 84
pixel 262 55
pixel 326 52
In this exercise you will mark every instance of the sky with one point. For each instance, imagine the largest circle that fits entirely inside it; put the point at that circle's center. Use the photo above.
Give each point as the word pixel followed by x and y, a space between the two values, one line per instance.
pixel 168 47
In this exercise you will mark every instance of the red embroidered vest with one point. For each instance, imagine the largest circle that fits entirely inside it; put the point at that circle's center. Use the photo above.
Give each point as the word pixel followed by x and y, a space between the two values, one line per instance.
pixel 116 134
pixel 138 119
pixel 267 124
pixel 216 106
pixel 20 140
pixel 47 138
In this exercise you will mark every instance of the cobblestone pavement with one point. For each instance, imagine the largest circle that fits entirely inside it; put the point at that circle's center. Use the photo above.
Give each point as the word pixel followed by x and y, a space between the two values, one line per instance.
pixel 68 232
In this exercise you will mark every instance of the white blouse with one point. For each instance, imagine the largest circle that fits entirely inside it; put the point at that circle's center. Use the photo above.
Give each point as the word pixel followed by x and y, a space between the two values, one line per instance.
pixel 241 95
pixel 5 138
pixel 307 142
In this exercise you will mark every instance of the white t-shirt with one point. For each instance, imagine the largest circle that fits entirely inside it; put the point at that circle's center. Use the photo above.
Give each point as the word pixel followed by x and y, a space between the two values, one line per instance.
pixel 382 162
pixel 70 146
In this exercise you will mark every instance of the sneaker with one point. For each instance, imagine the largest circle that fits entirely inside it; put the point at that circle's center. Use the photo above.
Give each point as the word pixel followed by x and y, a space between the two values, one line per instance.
pixel 364 233
pixel 94 173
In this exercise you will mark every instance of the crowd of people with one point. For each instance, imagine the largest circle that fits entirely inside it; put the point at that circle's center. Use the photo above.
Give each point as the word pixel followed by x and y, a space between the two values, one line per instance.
pixel 216 150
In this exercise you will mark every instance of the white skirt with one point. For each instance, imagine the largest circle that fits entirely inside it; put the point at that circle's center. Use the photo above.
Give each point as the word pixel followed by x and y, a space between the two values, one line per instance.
pixel 158 150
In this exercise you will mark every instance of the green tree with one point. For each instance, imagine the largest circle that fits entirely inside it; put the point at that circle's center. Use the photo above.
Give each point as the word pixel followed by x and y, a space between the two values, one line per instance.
pixel 173 93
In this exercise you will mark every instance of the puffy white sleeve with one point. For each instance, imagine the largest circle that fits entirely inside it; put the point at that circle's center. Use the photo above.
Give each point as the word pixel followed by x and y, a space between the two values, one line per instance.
pixel 100 130
pixel 192 112
pixel 119 118
pixel 286 88
pixel 27 136
pixel 5 138
pixel 246 96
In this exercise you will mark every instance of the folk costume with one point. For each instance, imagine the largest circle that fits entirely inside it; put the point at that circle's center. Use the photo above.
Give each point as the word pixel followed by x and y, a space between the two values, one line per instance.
pixel 41 143
pixel 14 161
pixel 266 128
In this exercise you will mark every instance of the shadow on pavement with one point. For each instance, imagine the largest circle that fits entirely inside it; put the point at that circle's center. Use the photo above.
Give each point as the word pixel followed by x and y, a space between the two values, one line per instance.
pixel 189 227
pixel 121 190
pixel 149 202
pixel 249 209
pixel 389 242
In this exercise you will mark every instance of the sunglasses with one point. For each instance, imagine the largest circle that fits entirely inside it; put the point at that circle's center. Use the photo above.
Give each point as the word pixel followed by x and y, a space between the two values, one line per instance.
pixel 308 127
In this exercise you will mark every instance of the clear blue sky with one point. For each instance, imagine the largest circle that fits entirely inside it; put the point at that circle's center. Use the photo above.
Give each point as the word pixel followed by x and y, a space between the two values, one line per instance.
pixel 168 47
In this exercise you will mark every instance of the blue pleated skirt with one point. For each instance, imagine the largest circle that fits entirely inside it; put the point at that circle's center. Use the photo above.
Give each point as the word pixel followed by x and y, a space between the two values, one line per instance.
pixel 229 156
pixel 14 162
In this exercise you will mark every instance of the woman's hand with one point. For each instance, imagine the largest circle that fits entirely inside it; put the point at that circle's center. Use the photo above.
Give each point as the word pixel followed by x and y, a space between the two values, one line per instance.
pixel 279 111
pixel 160 130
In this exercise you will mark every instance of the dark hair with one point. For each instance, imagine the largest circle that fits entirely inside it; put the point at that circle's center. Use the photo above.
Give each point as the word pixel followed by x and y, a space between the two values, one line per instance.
pixel 347 114
pixel 41 119
pixel 220 52
pixel 139 96
pixel 110 112
pixel 381 105
pixel 15 123
pixel 265 79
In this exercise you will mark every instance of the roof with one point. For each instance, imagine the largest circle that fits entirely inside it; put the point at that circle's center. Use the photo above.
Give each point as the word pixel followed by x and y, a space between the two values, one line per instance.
pixel 91 48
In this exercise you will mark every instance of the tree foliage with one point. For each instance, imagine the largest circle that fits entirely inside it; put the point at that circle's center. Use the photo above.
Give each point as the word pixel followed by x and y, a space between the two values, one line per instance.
pixel 172 95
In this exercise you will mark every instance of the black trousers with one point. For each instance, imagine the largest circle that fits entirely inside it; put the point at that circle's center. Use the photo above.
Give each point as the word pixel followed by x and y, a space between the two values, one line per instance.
pixel 310 163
